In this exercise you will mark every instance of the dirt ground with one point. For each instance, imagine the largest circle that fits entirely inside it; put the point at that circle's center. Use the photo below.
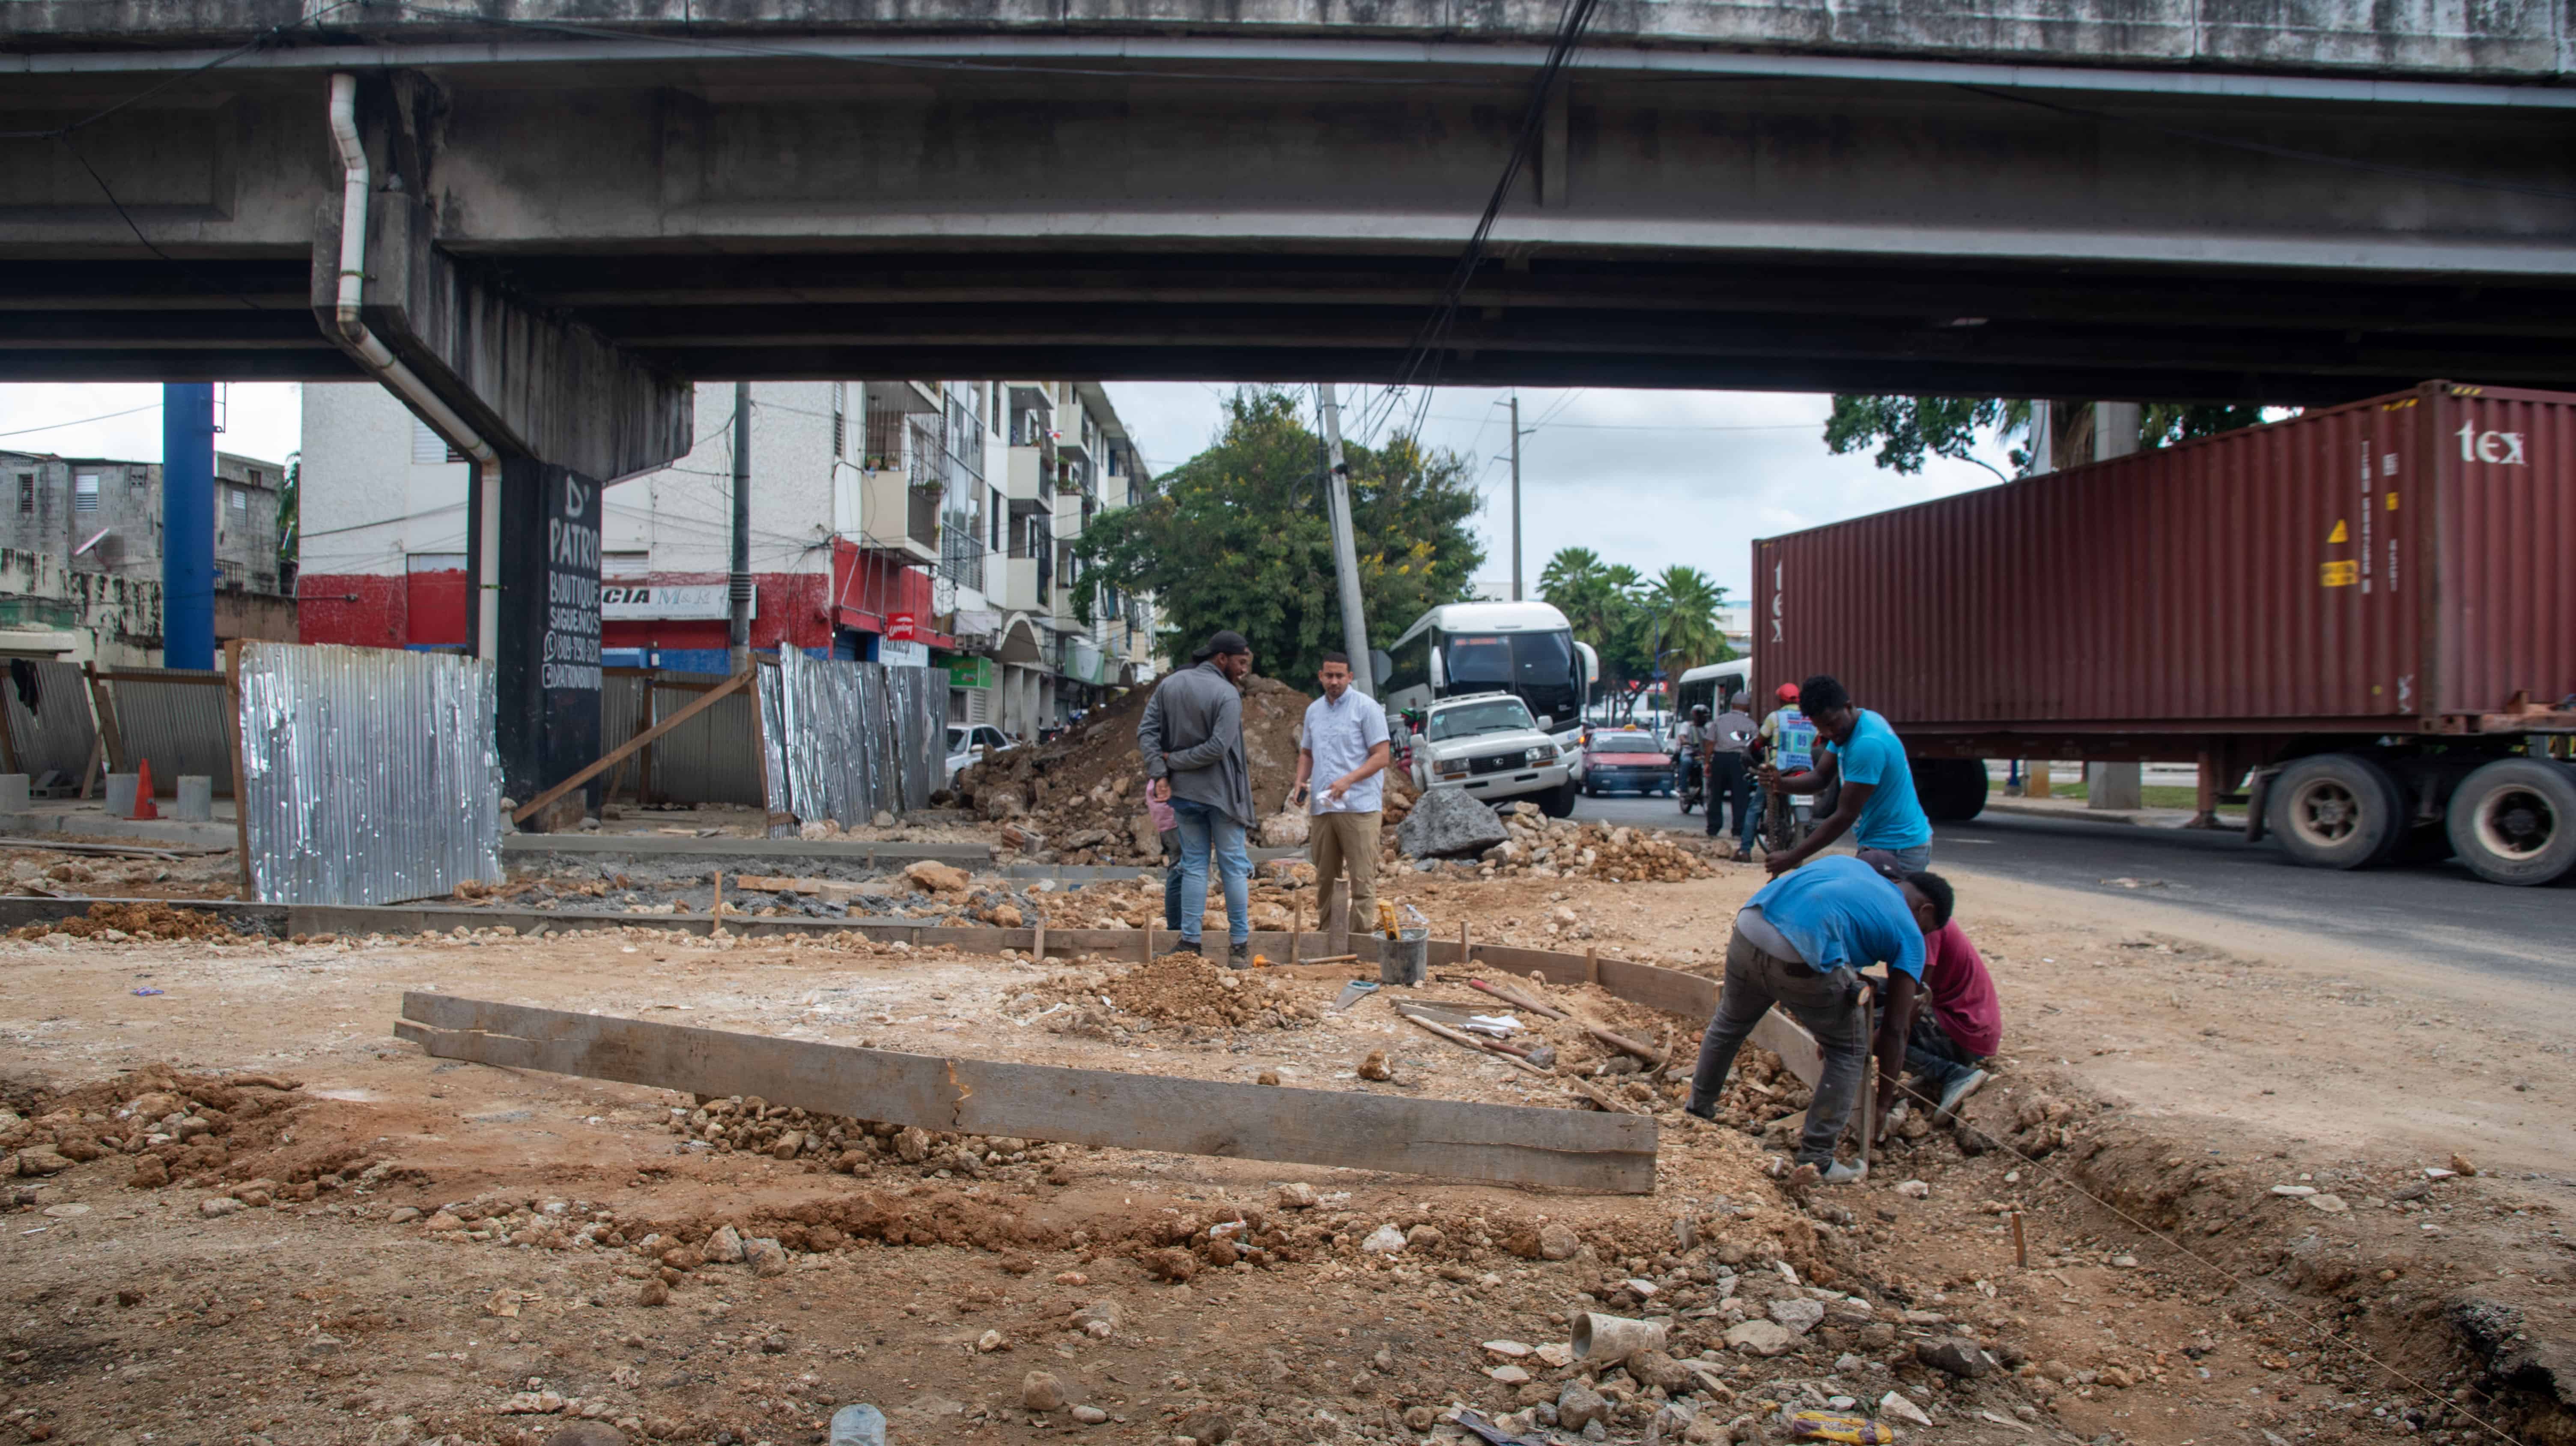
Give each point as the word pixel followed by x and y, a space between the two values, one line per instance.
pixel 420 1248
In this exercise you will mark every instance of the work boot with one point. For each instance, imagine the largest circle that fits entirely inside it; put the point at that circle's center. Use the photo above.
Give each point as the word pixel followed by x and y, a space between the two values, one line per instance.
pixel 1239 956
pixel 1957 1094
pixel 1186 946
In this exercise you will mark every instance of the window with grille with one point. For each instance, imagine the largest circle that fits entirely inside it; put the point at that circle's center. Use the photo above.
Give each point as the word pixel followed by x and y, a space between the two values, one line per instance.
pixel 26 491
pixel 237 499
pixel 428 449
pixel 85 492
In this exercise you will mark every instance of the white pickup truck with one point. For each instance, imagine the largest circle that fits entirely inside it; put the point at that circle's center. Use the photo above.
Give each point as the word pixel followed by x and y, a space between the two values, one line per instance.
pixel 1489 745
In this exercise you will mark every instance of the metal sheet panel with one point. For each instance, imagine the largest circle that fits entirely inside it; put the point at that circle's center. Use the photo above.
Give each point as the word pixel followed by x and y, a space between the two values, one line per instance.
pixel 176 724
pixel 2506 531
pixel 849 738
pixel 370 775
pixel 621 717
pixel 58 732
pixel 2275 579
pixel 710 758
pixel 920 714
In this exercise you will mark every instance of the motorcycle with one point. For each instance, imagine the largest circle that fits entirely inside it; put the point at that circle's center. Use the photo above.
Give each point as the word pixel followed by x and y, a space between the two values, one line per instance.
pixel 1688 785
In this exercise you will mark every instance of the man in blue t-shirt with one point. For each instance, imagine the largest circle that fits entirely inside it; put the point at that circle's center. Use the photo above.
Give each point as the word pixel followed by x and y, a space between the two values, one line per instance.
pixel 1877 805
pixel 1800 943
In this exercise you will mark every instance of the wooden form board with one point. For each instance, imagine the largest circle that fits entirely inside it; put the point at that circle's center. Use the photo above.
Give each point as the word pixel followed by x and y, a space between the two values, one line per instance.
pixel 1510 1144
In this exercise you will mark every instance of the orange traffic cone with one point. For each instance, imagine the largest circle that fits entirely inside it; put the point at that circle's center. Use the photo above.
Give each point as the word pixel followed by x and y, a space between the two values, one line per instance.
pixel 143 791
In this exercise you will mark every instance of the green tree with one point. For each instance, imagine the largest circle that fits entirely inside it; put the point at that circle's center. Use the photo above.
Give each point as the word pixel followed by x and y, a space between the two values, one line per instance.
pixel 1906 430
pixel 1237 537
pixel 1684 602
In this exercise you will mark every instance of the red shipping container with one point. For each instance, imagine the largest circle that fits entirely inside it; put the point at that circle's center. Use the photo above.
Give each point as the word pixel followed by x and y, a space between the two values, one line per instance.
pixel 2400 565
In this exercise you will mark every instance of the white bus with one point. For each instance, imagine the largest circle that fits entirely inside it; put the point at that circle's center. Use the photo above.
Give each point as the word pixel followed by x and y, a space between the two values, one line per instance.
pixel 1707 684
pixel 1523 648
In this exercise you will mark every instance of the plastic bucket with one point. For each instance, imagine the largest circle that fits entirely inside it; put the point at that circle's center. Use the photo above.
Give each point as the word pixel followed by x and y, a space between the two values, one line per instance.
pixel 1406 958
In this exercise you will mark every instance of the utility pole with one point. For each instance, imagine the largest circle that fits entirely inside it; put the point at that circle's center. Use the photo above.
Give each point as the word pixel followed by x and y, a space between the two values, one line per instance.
pixel 738 634
pixel 1516 497
pixel 1346 557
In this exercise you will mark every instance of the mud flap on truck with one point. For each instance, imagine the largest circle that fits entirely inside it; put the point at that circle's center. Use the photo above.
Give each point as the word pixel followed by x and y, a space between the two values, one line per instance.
pixel 2256 793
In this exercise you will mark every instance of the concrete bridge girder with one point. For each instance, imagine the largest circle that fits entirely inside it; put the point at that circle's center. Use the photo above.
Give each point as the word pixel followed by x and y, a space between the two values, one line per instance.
pixel 760 215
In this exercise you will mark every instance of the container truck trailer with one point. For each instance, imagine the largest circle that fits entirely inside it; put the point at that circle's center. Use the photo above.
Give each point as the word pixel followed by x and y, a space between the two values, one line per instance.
pixel 2365 615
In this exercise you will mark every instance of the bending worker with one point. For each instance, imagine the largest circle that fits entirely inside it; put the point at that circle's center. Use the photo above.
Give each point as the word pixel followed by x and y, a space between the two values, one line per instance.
pixel 1877 806
pixel 1801 943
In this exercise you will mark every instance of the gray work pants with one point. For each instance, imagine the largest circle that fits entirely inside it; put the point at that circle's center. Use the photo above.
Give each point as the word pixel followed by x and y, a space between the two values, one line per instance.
pixel 1754 982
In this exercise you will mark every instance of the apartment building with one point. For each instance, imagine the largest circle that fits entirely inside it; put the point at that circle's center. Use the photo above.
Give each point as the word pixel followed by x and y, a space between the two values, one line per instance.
pixel 80 555
pixel 928 523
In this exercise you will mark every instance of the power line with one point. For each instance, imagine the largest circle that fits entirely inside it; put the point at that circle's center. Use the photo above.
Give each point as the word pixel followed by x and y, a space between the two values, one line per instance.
pixel 85 421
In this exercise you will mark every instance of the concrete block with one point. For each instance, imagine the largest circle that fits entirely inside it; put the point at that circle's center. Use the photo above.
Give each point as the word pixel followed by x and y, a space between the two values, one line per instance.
pixel 120 795
pixel 196 799
pixel 13 793
pixel 2114 785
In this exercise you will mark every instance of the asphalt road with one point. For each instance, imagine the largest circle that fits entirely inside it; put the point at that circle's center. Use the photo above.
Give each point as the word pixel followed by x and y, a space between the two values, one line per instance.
pixel 2442 914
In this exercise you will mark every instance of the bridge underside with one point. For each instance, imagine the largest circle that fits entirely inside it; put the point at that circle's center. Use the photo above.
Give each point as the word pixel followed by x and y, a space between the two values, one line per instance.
pixel 713 215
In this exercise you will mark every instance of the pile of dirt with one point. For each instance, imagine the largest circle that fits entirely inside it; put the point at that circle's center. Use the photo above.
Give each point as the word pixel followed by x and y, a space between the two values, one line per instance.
pixel 171 1123
pixel 1190 989
pixel 151 921
pixel 1081 798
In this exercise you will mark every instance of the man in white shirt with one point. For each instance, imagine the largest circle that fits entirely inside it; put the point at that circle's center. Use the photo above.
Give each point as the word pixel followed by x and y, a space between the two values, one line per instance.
pixel 1345 742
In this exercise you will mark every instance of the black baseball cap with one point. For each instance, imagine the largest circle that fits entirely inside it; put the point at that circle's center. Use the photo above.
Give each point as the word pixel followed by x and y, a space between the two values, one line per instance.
pixel 1222 642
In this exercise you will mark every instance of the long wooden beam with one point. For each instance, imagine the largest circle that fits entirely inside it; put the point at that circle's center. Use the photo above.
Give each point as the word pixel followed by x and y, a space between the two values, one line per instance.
pixel 620 753
pixel 1511 1144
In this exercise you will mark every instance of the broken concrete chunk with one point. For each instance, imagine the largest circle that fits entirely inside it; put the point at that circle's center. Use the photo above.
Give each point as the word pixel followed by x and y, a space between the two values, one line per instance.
pixel 1760 1338
pixel 1958 1357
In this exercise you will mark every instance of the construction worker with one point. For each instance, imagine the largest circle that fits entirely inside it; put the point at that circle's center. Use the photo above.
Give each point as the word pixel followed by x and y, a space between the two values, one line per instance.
pixel 1864 756
pixel 1801 942
pixel 1944 1029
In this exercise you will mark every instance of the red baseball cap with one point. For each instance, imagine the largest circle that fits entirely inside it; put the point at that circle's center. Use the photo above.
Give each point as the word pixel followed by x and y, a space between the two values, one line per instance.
pixel 1787 693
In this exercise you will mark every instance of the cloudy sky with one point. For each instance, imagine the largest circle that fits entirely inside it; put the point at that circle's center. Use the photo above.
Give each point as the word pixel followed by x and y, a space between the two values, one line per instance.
pixel 1645 478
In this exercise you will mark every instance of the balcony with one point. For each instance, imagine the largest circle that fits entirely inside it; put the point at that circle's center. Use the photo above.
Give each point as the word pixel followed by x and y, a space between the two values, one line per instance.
pixel 1019 586
pixel 1029 478
pixel 900 486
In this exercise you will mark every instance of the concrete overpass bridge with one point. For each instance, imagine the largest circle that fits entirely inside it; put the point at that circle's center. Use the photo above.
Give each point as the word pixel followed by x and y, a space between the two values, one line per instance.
pixel 577 206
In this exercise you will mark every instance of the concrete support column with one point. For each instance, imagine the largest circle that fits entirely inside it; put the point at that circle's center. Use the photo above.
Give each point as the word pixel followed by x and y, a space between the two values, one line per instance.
pixel 2114 785
pixel 2034 778
pixel 187 525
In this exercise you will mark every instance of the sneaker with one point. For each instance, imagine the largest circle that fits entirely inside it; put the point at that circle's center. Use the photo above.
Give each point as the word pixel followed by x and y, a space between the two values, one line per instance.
pixel 1958 1093
pixel 1186 946
pixel 1238 956
pixel 1840 1173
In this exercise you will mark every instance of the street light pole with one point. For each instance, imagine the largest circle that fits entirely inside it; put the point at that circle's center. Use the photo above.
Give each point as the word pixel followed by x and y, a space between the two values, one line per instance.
pixel 1516 497
pixel 1346 559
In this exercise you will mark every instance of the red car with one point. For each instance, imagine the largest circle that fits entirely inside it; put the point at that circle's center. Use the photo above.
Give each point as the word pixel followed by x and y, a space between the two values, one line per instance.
pixel 1617 762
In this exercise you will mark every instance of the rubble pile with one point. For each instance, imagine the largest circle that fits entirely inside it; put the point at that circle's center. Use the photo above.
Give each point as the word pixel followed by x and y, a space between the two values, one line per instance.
pixel 1080 799
pixel 1537 846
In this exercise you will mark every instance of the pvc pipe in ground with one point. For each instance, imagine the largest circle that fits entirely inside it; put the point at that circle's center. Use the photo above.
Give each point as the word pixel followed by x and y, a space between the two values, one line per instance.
pixel 1611 1339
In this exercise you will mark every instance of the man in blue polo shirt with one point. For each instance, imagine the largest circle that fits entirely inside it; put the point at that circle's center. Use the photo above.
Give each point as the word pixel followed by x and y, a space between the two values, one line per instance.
pixel 1877 806
pixel 1800 943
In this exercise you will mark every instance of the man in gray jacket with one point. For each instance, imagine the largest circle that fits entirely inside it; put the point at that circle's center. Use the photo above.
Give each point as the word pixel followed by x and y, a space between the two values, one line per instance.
pixel 1192 739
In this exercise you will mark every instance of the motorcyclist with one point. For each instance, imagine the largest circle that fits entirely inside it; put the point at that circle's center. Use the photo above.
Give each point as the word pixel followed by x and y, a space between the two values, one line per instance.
pixel 1690 752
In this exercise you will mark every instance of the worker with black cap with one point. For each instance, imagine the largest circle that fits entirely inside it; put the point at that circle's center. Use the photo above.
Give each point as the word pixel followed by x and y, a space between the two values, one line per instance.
pixel 1192 739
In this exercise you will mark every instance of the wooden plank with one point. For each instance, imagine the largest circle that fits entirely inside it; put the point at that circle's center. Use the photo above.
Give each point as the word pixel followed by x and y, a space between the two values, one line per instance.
pixel 1505 1143
pixel 110 735
pixel 618 754
pixel 112 675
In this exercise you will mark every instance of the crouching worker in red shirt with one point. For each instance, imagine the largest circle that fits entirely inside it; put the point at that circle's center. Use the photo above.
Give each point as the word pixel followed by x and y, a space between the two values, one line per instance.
pixel 1944 1044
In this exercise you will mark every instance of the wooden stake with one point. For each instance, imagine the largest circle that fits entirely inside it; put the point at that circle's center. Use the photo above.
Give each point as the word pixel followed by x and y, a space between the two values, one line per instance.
pixel 1037 947
pixel 2021 1247
pixel 1149 941
pixel 1464 958
pixel 1296 925
pixel 715 910
pixel 1868 1086
pixel 1591 963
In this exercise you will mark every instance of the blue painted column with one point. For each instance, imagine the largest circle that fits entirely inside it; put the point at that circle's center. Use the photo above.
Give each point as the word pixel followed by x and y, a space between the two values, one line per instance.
pixel 188 525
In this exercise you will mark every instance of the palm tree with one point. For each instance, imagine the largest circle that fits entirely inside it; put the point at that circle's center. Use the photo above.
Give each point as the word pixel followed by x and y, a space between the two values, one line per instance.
pixel 1685 600
pixel 1577 585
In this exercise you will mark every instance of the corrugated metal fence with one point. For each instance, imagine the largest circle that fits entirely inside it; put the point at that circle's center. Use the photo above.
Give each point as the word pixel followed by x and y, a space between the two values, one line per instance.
pixel 369 775
pixel 846 739
pixel 709 759
pixel 173 717
pixel 56 734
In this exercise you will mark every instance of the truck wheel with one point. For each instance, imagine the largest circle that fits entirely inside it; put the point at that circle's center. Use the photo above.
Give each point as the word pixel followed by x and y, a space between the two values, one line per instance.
pixel 1558 802
pixel 2336 811
pixel 1951 790
pixel 2514 821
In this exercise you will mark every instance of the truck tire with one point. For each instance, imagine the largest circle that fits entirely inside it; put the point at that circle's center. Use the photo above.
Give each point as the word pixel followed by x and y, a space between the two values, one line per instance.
pixel 2336 811
pixel 1558 802
pixel 2514 821
pixel 1951 790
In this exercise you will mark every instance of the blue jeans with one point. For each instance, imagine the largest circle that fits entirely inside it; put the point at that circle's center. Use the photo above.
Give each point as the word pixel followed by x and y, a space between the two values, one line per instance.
pixel 1208 831
pixel 1933 1055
